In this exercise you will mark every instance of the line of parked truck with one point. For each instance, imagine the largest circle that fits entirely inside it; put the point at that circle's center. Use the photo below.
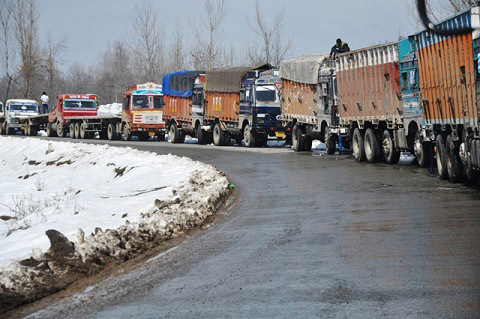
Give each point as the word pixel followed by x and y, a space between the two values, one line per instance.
pixel 420 94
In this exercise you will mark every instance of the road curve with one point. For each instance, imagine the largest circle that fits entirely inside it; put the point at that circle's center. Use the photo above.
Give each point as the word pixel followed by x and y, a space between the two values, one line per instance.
pixel 309 236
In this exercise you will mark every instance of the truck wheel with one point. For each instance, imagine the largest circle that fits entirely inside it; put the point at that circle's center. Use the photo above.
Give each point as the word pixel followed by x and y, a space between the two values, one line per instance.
pixel 181 137
pixel 76 130
pixel 161 136
pixel 372 150
pixel 2 129
pixel 297 139
pixel 174 133
pixel 201 136
pixel 112 132
pixel 50 132
pixel 60 130
pixel 26 131
pixel 330 144
pixel 422 151
pixel 71 129
pixel 454 164
pixel 249 137
pixel 126 134
pixel 441 155
pixel 390 153
pixel 103 134
pixel 219 138
pixel 307 146
pixel 358 146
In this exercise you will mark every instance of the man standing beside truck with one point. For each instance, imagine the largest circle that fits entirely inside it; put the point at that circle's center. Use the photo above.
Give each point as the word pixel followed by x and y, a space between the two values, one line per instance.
pixel 339 47
pixel 44 100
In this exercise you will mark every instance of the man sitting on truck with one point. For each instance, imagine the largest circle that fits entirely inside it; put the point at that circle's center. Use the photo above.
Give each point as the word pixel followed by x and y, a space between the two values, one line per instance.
pixel 339 47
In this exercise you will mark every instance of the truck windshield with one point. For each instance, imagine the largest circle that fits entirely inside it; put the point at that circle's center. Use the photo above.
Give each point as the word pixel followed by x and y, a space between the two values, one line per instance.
pixel 266 93
pixel 77 104
pixel 23 108
pixel 140 102
pixel 157 102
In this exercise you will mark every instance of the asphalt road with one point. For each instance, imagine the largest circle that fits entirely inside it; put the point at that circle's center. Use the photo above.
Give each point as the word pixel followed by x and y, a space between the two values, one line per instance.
pixel 309 236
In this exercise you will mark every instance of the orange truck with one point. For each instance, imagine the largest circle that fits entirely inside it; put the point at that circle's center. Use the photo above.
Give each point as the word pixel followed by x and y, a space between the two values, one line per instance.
pixel 142 114
pixel 183 97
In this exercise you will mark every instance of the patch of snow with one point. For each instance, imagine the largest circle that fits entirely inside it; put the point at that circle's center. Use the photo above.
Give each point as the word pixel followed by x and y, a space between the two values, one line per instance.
pixel 109 110
pixel 318 146
pixel 78 189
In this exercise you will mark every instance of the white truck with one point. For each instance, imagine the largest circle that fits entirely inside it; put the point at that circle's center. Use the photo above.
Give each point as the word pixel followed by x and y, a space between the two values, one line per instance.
pixel 15 112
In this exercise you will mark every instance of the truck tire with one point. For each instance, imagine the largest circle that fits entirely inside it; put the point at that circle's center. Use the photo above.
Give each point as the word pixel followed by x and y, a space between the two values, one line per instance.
pixel 390 153
pixel 372 150
pixel 2 128
pixel 175 134
pixel 50 131
pixel 77 130
pixel 358 145
pixel 71 128
pixel 26 131
pixel 126 134
pixel 454 164
pixel 201 136
pixel 112 132
pixel 422 151
pixel 298 142
pixel 103 134
pixel 83 132
pixel 330 144
pixel 249 137
pixel 441 157
pixel 220 137
pixel 60 131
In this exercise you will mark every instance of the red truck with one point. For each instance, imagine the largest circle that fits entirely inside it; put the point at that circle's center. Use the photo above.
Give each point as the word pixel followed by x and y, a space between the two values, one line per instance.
pixel 72 113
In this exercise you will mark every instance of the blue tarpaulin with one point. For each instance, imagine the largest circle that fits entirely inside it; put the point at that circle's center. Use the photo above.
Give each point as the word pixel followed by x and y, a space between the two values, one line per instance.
pixel 179 83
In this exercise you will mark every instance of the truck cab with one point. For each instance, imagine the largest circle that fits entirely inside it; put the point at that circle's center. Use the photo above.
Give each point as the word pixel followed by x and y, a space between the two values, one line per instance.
pixel 260 104
pixel 142 113
pixel 16 110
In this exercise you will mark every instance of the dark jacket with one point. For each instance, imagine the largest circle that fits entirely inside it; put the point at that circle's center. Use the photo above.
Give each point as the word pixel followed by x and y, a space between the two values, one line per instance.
pixel 336 50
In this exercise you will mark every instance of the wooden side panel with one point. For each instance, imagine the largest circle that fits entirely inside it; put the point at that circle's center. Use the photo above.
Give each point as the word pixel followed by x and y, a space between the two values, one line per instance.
pixel 447 77
pixel 224 106
pixel 299 99
pixel 179 108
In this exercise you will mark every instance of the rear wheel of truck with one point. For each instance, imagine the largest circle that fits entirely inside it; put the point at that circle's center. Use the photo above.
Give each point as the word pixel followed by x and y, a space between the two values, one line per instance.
pixel 219 137
pixel 422 151
pixel 83 131
pixel 330 144
pixel 77 130
pixel 454 164
pixel 441 157
pixel 50 131
pixel 174 133
pixel 2 129
pixel 126 134
pixel 307 144
pixel 71 128
pixel 201 136
pixel 26 131
pixel 112 132
pixel 297 139
pixel 249 136
pixel 60 131
pixel 358 145
pixel 372 150
pixel 390 153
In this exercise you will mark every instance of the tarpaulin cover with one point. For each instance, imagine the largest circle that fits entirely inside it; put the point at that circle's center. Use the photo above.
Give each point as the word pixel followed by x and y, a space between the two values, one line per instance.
pixel 304 69
pixel 179 83
pixel 228 80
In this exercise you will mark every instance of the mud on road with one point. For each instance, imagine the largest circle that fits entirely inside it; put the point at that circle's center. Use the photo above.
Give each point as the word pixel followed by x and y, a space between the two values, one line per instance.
pixel 309 236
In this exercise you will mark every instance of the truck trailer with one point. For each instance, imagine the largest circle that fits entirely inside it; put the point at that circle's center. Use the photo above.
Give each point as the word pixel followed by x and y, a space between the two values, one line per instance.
pixel 449 72
pixel 236 106
pixel 183 97
pixel 370 105
pixel 308 100
pixel 14 114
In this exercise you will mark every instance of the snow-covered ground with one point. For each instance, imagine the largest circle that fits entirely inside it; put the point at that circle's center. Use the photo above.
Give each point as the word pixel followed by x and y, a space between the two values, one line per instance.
pixel 80 189
pixel 106 110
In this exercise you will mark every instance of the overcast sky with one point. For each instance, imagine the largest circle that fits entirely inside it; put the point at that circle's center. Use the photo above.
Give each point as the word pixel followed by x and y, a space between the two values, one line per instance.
pixel 313 25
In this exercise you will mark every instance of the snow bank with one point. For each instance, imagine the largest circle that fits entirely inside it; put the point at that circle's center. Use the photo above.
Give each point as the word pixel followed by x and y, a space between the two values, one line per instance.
pixel 96 204
pixel 107 110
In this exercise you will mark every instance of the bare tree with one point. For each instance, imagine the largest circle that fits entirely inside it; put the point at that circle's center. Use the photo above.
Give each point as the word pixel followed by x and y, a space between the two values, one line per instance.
pixel 26 19
pixel 146 42
pixel 6 11
pixel 273 48
pixel 437 9
pixel 52 62
pixel 177 55
pixel 206 52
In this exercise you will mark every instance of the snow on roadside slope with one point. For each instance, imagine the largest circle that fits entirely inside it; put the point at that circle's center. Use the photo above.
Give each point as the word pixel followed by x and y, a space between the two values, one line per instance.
pixel 106 110
pixel 122 200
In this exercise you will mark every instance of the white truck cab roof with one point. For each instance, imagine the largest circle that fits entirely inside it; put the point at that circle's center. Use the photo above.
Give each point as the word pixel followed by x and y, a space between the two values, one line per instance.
pixel 21 101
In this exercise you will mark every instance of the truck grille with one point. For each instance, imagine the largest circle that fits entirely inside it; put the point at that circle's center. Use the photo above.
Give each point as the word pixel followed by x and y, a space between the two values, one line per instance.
pixel 147 118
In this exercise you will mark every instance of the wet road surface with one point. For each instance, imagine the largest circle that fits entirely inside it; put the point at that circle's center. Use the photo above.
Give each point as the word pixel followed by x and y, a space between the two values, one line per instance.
pixel 308 236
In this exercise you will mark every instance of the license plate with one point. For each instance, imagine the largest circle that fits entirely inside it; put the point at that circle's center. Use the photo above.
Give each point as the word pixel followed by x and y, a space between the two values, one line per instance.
pixel 151 133
pixel 280 134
